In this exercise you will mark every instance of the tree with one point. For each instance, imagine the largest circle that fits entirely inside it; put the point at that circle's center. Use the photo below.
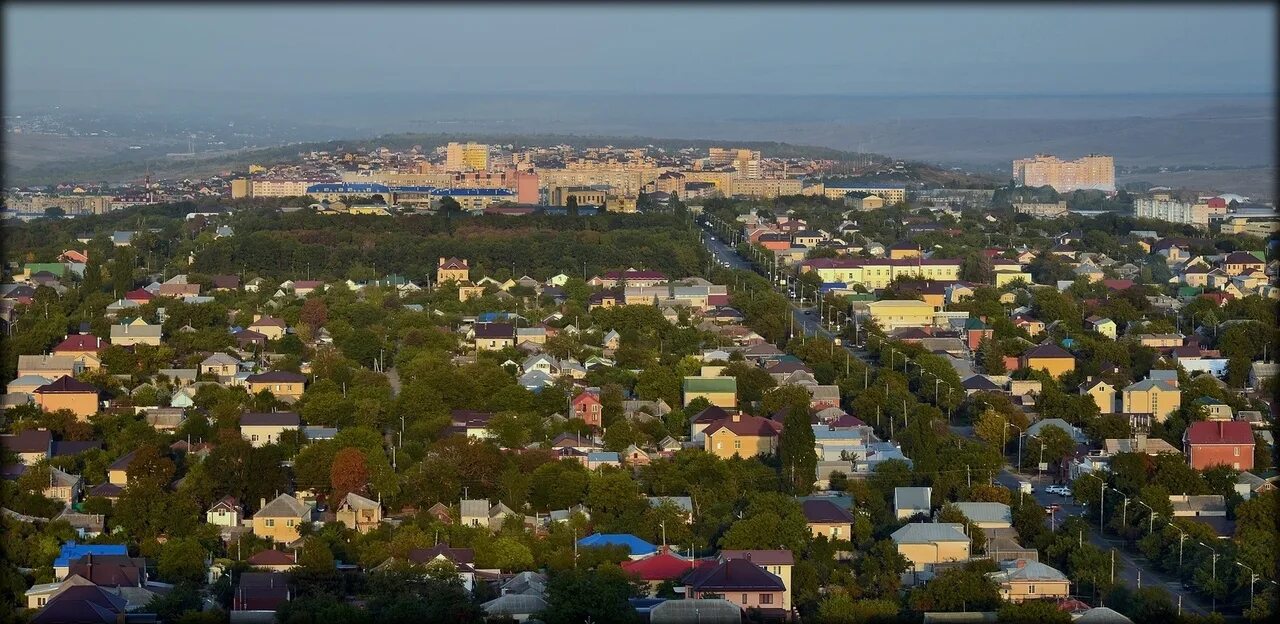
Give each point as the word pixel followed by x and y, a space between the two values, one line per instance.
pixel 966 588
pixel 1032 612
pixel 839 607
pixel 796 448
pixel 314 314
pixel 349 473
pixel 571 205
pixel 54 212
pixel 182 561
pixel 576 596
pixel 771 520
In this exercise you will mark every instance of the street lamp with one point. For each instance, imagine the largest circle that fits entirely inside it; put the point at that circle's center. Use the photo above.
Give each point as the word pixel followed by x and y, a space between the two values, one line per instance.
pixel 1182 537
pixel 1151 520
pixel 1215 575
pixel 1253 578
pixel 1124 511
pixel 1102 503
pixel 1020 434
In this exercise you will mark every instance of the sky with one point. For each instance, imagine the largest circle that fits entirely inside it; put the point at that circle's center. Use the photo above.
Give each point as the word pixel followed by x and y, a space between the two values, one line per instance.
pixel 294 49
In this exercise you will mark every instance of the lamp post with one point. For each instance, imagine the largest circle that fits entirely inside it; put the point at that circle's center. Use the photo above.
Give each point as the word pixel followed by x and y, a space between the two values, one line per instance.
pixel 1182 537
pixel 1215 575
pixel 1151 520
pixel 1124 511
pixel 1253 578
pixel 1102 502
pixel 1020 434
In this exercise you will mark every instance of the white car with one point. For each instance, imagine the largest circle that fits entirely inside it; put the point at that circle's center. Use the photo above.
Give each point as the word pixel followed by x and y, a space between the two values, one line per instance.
pixel 1054 489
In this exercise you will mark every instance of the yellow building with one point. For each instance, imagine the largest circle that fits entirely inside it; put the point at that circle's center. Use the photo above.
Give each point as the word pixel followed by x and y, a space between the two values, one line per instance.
pixel 877 273
pixel 1158 398
pixel 863 204
pixel 136 333
pixel 452 269
pixel 1025 579
pixel 891 314
pixel 585 196
pixel 1262 227
pixel 719 391
pixel 279 520
pixel 904 252
pixel 466 157
pixel 1049 358
pixel 245 187
pixel 281 384
pixel 359 513
pixel 1094 171
pixel 1004 277
pixel 70 394
pixel 741 435
pixel 891 194
pixel 263 428
pixel 1102 393
pixel 926 543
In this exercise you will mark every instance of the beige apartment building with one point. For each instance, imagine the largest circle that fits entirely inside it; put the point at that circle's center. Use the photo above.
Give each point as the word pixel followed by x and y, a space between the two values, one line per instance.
pixel 765 188
pixel 621 181
pixel 877 273
pixel 245 187
pixel 1042 210
pixel 466 157
pixel 1094 171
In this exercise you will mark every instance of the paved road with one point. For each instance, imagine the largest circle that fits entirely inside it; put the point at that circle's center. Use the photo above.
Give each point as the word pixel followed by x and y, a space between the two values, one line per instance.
pixel 1128 568
pixel 393 378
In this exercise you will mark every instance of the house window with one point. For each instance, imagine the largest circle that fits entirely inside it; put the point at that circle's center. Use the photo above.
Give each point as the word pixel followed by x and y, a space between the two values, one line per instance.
pixel 271 522
pixel 1237 450
pixel 254 437
pixel 766 599
pixel 744 599
pixel 40 601
pixel 1031 589
pixel 288 522
pixel 737 444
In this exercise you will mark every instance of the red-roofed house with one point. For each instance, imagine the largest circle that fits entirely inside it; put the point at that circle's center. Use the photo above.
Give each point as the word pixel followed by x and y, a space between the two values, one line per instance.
pixel 658 567
pixel 84 348
pixel 1213 443
pixel 140 295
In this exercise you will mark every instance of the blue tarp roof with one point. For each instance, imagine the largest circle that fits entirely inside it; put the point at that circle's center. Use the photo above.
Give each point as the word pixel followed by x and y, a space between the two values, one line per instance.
pixel 72 551
pixel 637 545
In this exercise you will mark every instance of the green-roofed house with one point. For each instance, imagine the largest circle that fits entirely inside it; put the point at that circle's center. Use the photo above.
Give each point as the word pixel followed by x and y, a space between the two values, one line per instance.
pixel 1189 292
pixel 719 391
pixel 56 268
pixel 975 331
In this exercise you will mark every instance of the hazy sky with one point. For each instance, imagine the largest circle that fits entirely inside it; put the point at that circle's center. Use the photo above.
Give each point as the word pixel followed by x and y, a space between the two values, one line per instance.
pixel 813 49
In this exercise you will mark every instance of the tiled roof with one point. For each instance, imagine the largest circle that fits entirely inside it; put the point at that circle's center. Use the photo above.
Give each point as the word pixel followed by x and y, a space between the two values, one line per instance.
pixel 264 419
pixel 825 512
pixel 744 425
pixel 733 575
pixel 1220 432
pixel 66 385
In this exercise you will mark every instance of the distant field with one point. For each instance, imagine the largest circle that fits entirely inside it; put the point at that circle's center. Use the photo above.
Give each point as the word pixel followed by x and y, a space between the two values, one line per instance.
pixel 27 150
pixel 1258 184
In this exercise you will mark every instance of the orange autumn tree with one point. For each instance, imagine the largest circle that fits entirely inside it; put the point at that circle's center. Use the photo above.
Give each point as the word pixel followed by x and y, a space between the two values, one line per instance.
pixel 349 473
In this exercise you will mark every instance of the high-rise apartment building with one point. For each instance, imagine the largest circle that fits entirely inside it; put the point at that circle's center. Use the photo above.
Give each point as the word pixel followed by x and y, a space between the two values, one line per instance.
pixel 727 156
pixel 1165 208
pixel 466 157
pixel 1094 171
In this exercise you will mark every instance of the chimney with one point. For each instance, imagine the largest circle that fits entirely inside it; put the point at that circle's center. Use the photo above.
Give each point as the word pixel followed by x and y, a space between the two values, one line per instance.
pixel 748 555
pixel 441 260
pixel 262 502
pixel 1140 442
pixel 1022 563
pixel 737 418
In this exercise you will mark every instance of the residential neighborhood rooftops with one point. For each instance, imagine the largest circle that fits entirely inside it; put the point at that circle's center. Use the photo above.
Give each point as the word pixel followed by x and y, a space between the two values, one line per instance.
pixel 1219 432
pixel 929 532
pixel 267 419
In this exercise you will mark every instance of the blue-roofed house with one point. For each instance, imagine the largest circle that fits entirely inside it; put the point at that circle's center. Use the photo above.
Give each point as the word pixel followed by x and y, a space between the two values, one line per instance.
pixel 72 552
pixel 603 458
pixel 638 547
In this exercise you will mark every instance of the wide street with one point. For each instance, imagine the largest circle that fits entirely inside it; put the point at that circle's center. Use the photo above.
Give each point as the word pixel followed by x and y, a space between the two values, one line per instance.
pixel 1133 570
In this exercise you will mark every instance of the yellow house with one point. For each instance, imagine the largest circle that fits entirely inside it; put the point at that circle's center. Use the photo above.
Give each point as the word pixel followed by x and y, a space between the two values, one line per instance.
pixel 282 384
pixel 359 513
pixel 826 518
pixel 1158 398
pixel 271 327
pixel 470 291
pixel 136 333
pixel 263 428
pixel 279 520
pixel 118 471
pixel 745 436
pixel 84 348
pixel 70 394
pixel 1102 393
pixel 48 366
pixel 1004 277
pixel 1049 358
pixel 1024 579
pixel 927 543
pixel 719 391
pixel 452 269
pixel 862 204
pixel 891 314
pixel 1159 341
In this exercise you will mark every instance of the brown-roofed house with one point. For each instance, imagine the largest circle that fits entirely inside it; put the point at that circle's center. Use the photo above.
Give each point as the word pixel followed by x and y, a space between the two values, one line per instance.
pixel 68 393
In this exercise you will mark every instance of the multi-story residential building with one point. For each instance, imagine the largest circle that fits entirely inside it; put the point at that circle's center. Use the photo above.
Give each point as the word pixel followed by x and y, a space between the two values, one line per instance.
pixel 890 193
pixel 1150 396
pixel 1164 207
pixel 877 273
pixel 742 435
pixel 466 157
pixel 892 314
pixel 1094 171
pixel 926 543
pixel 247 187
pixel 1042 210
